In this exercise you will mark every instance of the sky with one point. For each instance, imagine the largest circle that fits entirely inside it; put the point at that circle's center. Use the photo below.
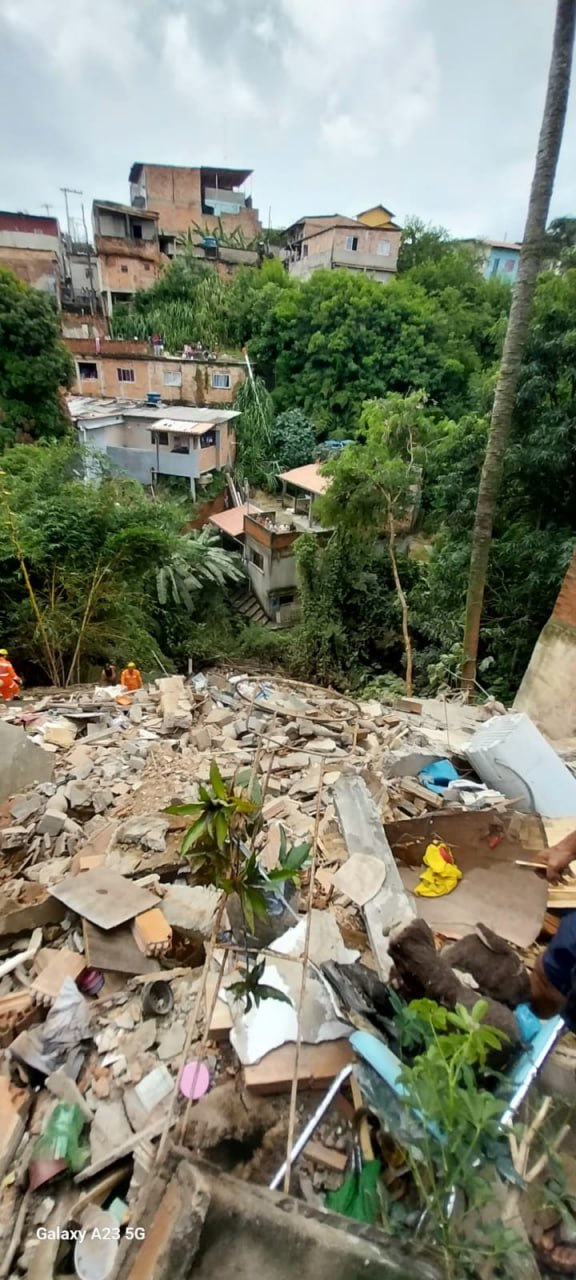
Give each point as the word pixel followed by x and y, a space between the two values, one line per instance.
pixel 430 107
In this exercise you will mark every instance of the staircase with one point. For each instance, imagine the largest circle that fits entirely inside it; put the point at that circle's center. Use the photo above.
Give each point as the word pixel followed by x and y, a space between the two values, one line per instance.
pixel 251 609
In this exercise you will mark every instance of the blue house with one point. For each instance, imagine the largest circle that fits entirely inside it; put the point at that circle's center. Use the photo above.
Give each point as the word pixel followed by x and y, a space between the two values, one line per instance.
pixel 501 260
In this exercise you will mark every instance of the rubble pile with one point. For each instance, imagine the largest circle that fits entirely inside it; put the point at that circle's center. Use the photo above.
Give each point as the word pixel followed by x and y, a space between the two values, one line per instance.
pixel 116 969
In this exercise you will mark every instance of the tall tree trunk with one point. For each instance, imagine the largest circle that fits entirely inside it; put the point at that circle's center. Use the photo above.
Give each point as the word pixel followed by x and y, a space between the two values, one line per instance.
pixel 403 605
pixel 515 341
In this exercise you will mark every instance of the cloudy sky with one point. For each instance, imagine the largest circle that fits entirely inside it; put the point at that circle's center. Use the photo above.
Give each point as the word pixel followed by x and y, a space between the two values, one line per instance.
pixel 431 107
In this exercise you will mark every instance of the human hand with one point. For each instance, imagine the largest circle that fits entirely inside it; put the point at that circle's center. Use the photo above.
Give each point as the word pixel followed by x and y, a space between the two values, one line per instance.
pixel 559 858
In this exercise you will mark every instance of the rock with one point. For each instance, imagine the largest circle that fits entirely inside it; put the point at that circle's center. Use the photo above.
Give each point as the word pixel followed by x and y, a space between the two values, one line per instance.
pixel 102 799
pixel 61 733
pixel 110 1128
pixel 58 803
pixel 294 761
pixel 83 770
pixel 372 709
pixel 190 908
pixel 137 762
pixel 73 828
pixel 50 872
pixel 24 807
pixel 139 1040
pixel 47 788
pixel 79 797
pixel 406 762
pixel 149 831
pixel 51 822
pixel 135 713
pixel 175 707
pixel 200 739
pixel 120 788
pixel 12 838
pixel 306 729
pixel 221 716
pixel 23 762
pixel 172 1041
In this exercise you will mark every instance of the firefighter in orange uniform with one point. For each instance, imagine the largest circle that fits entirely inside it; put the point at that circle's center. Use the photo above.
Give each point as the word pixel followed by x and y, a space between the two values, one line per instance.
pixel 9 681
pixel 131 678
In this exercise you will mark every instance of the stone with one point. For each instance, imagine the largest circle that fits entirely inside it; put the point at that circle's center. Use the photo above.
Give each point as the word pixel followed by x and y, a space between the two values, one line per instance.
pixel 137 762
pixel 83 770
pixel 110 1128
pixel 306 728
pixel 190 908
pixel 102 799
pixel 12 838
pixel 58 803
pixel 148 830
pixel 175 706
pixel 221 716
pixel 50 872
pixel 61 733
pixel 172 1042
pixel 24 807
pixel 23 762
pixel 51 822
pixel 78 796
pixel 139 1040
pixel 47 789
pixel 135 713
pixel 200 739
pixel 73 828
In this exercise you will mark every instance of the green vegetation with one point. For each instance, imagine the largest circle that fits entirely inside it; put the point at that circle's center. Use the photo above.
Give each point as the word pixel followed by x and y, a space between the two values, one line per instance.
pixel 35 366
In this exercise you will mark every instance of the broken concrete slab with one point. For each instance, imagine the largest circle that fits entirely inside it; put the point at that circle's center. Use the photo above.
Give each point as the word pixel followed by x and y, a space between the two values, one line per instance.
pixel 60 733
pixel 171 1043
pixel 148 830
pixel 175 706
pixel 24 807
pixel 190 908
pixel 13 838
pixel 110 1127
pixel 51 823
pixel 23 763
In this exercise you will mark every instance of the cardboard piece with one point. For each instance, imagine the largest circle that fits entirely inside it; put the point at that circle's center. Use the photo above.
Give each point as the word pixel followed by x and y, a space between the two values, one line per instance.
pixel 103 897
pixel 318 1064
pixel 493 890
pixel 115 949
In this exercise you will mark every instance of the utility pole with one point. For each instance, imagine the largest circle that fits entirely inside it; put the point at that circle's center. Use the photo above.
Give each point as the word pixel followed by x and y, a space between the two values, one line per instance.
pixel 47 207
pixel 69 191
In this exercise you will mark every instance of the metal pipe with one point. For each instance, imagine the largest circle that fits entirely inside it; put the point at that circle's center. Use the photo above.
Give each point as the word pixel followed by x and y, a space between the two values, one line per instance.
pixel 312 1125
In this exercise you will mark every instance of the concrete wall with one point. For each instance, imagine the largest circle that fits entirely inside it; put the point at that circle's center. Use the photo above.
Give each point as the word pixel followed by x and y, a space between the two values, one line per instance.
pixel 175 194
pixel 327 248
pixel 548 690
pixel 498 261
pixel 138 463
pixel 278 573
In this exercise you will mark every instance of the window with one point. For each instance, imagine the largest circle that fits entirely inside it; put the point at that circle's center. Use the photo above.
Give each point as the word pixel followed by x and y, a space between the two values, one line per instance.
pixel 352 243
pixel 208 440
pixel 509 264
pixel 257 559
pixel 125 375
pixel 172 378
pixel 87 369
pixel 161 437
pixel 221 381
pixel 384 248
pixel 495 267
pixel 124 269
pixel 304 250
pixel 137 230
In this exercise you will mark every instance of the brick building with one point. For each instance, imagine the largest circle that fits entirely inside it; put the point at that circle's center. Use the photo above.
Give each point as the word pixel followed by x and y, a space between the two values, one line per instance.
pixel 369 244
pixel 113 367
pixel 31 246
pixel 183 197
pixel 128 249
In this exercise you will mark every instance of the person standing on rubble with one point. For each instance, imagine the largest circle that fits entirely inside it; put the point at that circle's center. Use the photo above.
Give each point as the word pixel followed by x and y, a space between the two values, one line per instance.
pixel 553 977
pixel 108 674
pixel 131 678
pixel 9 681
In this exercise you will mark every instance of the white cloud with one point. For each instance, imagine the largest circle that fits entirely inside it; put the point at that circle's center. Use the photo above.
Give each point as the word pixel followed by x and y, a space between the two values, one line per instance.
pixel 78 36
pixel 218 90
pixel 343 135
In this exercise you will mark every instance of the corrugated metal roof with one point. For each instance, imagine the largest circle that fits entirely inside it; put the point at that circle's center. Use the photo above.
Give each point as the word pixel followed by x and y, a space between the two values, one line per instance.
pixel 308 478
pixel 232 521
pixel 182 413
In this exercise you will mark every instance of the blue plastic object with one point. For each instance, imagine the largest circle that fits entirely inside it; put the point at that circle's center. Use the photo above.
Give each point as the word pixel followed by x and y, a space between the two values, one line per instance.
pixel 438 776
pixel 528 1024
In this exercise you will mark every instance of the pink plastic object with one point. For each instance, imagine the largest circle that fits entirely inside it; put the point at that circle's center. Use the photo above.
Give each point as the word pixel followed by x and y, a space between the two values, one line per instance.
pixel 194 1079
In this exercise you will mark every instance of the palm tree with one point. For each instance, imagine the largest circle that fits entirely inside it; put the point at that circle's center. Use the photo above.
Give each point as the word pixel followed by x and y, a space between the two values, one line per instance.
pixel 516 333
pixel 199 561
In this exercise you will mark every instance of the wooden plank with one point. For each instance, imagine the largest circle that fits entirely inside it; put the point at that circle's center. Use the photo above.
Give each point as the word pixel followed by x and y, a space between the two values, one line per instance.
pixel 363 833
pixel 328 1157
pixel 318 1064
pixel 414 788
pixel 103 897
pixel 125 1149
pixel 115 949
pixel 54 967
pixel 556 829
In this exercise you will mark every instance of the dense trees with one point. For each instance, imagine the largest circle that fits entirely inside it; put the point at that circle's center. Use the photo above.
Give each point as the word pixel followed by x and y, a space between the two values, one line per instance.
pixel 35 366
pixel 81 564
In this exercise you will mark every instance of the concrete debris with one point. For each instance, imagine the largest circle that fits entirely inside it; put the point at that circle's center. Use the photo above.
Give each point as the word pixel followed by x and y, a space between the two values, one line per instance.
pixel 86 786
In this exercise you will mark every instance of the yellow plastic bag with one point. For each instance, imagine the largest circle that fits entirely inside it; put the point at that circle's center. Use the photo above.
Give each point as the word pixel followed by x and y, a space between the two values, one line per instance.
pixel 441 875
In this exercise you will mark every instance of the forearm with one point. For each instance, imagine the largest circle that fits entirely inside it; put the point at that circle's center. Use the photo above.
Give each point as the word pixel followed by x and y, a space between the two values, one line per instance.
pixel 565 850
